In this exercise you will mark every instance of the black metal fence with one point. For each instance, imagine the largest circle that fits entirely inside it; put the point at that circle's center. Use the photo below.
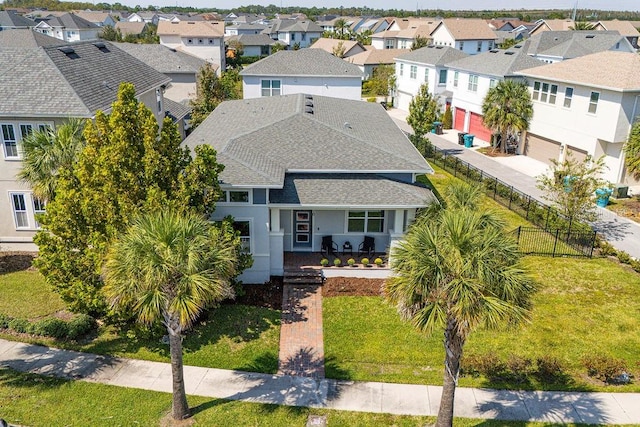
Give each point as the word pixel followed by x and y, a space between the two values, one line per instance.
pixel 575 236
pixel 573 243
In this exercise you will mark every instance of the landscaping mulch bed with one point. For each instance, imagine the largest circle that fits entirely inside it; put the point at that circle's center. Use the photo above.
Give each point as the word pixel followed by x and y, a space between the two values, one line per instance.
pixel 352 286
pixel 16 261
pixel 268 295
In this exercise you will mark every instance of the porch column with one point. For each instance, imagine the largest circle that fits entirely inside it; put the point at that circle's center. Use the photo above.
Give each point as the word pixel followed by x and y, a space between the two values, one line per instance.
pixel 276 243
pixel 411 216
pixel 274 219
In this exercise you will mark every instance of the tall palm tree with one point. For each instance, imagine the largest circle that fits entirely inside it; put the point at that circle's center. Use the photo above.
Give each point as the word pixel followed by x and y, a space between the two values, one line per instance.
pixel 507 109
pixel 457 270
pixel 168 267
pixel 341 27
pixel 46 152
pixel 582 26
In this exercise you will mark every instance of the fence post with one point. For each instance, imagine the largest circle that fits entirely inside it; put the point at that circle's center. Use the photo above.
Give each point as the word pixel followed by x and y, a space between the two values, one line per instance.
pixel 518 235
pixel 593 243
pixel 555 243
pixel 495 188
pixel 546 221
pixel 510 197
pixel 528 207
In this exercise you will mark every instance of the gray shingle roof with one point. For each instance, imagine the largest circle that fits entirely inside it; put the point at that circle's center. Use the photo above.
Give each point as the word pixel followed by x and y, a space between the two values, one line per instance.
pixel 254 40
pixel 350 190
pixel 70 21
pixel 433 55
pixel 496 62
pixel 571 43
pixel 303 62
pixel 259 139
pixel 9 18
pixel 291 25
pixel 25 39
pixel 175 110
pixel 48 82
pixel 163 58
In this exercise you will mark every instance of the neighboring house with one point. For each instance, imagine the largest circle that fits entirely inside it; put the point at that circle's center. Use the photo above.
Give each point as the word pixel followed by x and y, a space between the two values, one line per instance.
pixel 294 32
pixel 101 19
pixel 505 24
pixel 301 167
pixel 351 47
pixel 10 20
pixel 127 28
pixel 78 79
pixel 625 28
pixel 469 79
pixel 204 39
pixel 472 36
pixel 385 40
pixel 552 25
pixel 26 39
pixel 143 16
pixel 68 27
pixel 180 67
pixel 424 65
pixel 240 29
pixel 370 59
pixel 556 46
pixel 309 71
pixel 580 109
pixel 243 18
pixel 254 44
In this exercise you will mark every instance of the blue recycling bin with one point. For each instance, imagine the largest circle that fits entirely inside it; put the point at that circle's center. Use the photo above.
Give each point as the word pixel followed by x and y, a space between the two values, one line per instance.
pixel 468 140
pixel 602 196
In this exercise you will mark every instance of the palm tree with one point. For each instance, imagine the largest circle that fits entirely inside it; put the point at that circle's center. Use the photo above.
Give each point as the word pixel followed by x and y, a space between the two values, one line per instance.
pixel 457 270
pixel 507 109
pixel 46 152
pixel 169 267
pixel 340 27
pixel 582 26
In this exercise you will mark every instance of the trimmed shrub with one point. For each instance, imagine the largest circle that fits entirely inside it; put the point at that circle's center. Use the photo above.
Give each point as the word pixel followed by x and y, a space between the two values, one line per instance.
pixel 19 325
pixel 605 368
pixel 337 262
pixel 549 369
pixel 80 326
pixel 51 327
pixel 4 321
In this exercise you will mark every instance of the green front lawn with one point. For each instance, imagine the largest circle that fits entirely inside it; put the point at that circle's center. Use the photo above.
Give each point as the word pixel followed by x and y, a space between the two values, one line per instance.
pixel 26 295
pixel 42 402
pixel 583 308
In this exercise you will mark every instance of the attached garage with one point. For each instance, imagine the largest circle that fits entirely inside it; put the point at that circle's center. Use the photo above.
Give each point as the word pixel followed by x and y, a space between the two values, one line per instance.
pixel 576 153
pixel 403 100
pixel 477 128
pixel 458 123
pixel 541 149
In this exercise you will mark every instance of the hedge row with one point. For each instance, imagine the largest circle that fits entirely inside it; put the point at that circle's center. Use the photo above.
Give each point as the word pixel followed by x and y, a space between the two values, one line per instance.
pixel 52 327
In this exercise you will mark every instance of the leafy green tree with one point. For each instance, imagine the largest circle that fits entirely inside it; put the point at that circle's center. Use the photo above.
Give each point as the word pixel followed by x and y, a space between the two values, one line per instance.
pixel 507 43
pixel 423 111
pixel 458 270
pixel 277 47
pixel 419 42
pixel 211 90
pixel 364 37
pixel 341 27
pixel 571 185
pixel 169 267
pixel 338 50
pixel 632 151
pixel 507 109
pixel 127 166
pixel 111 34
pixel 48 151
pixel 382 81
pixel 447 118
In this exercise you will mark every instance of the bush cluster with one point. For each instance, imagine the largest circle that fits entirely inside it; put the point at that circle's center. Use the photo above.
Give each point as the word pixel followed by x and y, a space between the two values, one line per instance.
pixel 515 369
pixel 606 368
pixel 52 327
pixel 606 249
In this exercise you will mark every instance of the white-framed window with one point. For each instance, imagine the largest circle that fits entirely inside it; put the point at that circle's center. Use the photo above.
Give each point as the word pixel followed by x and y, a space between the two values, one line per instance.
pixel 159 99
pixel 568 96
pixel 536 91
pixel 389 44
pixel 479 48
pixel 492 83
pixel 270 87
pixel 593 102
pixel 39 208
pixel 548 93
pixel 443 77
pixel 19 205
pixel 456 77
pixel 235 196
pixel 473 83
pixel 403 44
pixel 244 227
pixel 413 72
pixel 461 45
pixel 401 69
pixel 9 141
pixel 25 130
pixel 365 221
pixel 426 74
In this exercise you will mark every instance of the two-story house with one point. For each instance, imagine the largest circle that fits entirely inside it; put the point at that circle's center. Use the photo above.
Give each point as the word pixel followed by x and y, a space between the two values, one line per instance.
pixel 294 32
pixel 584 106
pixel 469 79
pixel 309 71
pixel 253 44
pixel 543 25
pixel 625 28
pixel 68 27
pixel 348 47
pixel 100 18
pixel 204 39
pixel 241 29
pixel 472 36
pixel 78 80
pixel 424 65
pixel 301 168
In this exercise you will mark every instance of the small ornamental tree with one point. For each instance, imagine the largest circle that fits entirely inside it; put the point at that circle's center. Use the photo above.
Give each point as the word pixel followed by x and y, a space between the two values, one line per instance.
pixel 632 151
pixel 423 111
pixel 447 118
pixel 419 42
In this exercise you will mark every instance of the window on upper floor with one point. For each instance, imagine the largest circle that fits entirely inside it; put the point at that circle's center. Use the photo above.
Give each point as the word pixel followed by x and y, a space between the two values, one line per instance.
pixel 426 74
pixel 270 87
pixel 443 77
pixel 413 72
pixel 473 83
pixel 401 69
pixel 234 196
pixel 593 102
pixel 303 36
pixel 492 83
pixel 293 36
pixel 545 92
pixel 9 142
pixel 568 96
pixel 389 44
pixel 159 99
pixel 456 77
pixel 19 206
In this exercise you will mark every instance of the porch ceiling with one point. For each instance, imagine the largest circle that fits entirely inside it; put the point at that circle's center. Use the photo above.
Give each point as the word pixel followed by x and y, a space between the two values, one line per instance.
pixel 347 190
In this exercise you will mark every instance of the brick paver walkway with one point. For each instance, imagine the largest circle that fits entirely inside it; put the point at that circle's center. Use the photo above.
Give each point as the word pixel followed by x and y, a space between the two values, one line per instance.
pixel 301 341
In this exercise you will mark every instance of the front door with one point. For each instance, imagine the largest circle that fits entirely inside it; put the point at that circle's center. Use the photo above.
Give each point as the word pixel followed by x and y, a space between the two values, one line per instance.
pixel 302 229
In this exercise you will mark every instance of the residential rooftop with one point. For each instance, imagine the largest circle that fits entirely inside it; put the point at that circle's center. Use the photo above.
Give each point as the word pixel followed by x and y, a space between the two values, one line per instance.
pixel 163 58
pixel 433 55
pixel 211 29
pixel 303 62
pixel 495 62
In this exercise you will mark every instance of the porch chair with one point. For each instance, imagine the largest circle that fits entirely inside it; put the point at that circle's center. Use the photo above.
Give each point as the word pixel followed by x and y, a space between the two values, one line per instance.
pixel 329 247
pixel 368 246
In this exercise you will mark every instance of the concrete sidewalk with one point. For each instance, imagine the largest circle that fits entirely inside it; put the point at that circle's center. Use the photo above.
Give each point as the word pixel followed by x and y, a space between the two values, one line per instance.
pixel 560 407
pixel 622 233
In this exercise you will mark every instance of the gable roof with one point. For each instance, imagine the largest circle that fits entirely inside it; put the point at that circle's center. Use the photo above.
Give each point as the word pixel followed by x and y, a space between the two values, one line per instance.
pixel 260 139
pixel 24 38
pixel 496 62
pixel 69 21
pixel 9 18
pixel 291 25
pixel 48 82
pixel 328 45
pixel 553 25
pixel 595 70
pixel 254 40
pixel 127 27
pixel 433 55
pixel 625 28
pixel 467 29
pixel 162 58
pixel 94 16
pixel 376 56
pixel 571 44
pixel 303 62
pixel 211 29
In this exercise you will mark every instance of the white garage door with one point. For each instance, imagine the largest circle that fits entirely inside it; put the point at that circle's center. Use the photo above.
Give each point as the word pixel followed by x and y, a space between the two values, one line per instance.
pixel 404 99
pixel 541 149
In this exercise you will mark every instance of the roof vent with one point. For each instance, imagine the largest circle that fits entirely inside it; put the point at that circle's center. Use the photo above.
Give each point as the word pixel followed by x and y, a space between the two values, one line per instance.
pixel 590 36
pixel 439 47
pixel 69 52
pixel 347 125
pixel 518 46
pixel 101 46
pixel 308 110
pixel 509 53
pixel 494 51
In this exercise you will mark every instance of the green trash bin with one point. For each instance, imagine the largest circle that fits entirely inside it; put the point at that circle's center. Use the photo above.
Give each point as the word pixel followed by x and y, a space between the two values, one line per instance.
pixel 468 140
